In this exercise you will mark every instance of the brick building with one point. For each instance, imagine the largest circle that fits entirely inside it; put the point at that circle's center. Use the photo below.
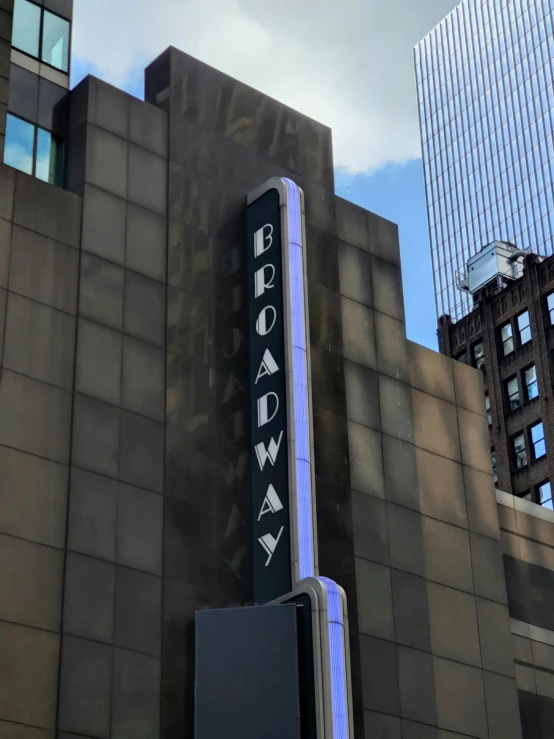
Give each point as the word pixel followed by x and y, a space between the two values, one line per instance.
pixel 509 337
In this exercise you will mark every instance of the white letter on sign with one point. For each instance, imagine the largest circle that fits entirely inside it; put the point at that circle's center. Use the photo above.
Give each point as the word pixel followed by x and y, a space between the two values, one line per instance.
pixel 271 503
pixel 263 239
pixel 269 543
pixel 264 414
pixel 266 320
pixel 260 284
pixel 270 453
pixel 268 366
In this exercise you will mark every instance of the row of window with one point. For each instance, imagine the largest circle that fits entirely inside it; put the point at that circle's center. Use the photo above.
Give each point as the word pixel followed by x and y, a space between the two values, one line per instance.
pixel 537 446
pixel 523 330
pixel 514 396
pixel 542 495
pixel 34 150
pixel 41 34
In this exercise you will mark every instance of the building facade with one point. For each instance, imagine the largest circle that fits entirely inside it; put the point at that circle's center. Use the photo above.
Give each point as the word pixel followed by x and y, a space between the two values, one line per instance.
pixel 508 335
pixel 486 105
pixel 125 456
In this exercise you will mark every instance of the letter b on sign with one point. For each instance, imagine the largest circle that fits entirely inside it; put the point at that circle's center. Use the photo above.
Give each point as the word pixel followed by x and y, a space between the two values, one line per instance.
pixel 263 239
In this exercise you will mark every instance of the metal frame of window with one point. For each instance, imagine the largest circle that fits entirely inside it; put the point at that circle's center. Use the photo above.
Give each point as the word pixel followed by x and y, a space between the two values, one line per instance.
pixel 507 340
pixel 494 466
pixel 520 450
pixel 488 408
pixel 59 180
pixel 550 307
pixel 514 397
pixel 478 351
pixel 39 58
pixel 533 384
pixel 537 441
pixel 544 497
pixel 521 330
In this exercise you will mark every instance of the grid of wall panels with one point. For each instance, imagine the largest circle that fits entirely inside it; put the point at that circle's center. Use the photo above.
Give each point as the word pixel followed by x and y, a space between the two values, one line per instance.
pixel 486 103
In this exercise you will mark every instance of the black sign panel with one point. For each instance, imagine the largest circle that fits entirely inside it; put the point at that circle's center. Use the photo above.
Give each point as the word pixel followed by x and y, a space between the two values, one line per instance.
pixel 268 398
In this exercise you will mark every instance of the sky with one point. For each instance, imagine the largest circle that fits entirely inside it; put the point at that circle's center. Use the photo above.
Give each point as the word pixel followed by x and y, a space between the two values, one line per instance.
pixel 345 63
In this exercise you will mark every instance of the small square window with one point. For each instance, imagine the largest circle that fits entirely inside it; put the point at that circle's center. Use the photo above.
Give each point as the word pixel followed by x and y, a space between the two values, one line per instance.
pixel 520 451
pixel 512 391
pixel 550 306
pixel 524 327
pixel 544 494
pixel 537 440
pixel 531 384
pixel 507 339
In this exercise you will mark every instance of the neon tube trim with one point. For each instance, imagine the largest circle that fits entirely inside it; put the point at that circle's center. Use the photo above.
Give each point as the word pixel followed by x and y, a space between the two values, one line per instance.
pixel 302 452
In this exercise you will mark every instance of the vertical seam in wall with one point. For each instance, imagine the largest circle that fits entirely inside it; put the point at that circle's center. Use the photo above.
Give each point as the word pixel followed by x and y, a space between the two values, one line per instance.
pixel 2 357
pixel 166 287
pixel 69 467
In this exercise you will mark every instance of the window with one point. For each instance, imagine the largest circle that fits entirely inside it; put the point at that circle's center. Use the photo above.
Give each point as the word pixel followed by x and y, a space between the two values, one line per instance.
pixel 55 41
pixel 462 358
pixel 507 339
pixel 550 306
pixel 520 451
pixel 19 145
pixel 512 391
pixel 41 34
pixel 26 27
pixel 33 150
pixel 488 408
pixel 494 466
pixel 544 495
pixel 537 440
pixel 531 384
pixel 478 352
pixel 523 327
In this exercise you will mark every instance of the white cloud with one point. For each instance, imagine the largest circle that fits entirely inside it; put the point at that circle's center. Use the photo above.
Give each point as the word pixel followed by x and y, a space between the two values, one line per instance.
pixel 346 63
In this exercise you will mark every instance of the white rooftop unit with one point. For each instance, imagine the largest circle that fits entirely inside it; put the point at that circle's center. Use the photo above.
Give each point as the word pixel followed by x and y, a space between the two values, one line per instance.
pixel 497 263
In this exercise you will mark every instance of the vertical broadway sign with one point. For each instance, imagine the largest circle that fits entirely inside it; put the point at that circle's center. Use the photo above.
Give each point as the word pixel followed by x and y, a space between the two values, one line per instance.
pixel 268 394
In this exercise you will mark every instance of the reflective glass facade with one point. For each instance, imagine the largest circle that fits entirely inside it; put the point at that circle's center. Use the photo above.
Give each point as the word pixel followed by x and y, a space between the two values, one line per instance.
pixel 486 105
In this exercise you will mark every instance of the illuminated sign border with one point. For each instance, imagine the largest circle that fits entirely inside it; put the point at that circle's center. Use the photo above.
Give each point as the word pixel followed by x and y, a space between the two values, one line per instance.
pixel 332 636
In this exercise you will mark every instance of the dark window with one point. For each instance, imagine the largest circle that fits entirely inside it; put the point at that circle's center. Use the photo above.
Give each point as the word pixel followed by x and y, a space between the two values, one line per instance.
pixel 33 150
pixel 488 408
pixel 544 494
pixel 494 466
pixel 550 306
pixel 537 440
pixel 531 384
pixel 507 339
pixel 478 352
pixel 524 327
pixel 462 358
pixel 527 496
pixel 520 451
pixel 512 391
pixel 41 34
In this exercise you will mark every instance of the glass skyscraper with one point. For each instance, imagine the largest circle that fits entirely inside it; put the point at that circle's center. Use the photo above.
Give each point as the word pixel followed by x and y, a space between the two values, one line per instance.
pixel 486 103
